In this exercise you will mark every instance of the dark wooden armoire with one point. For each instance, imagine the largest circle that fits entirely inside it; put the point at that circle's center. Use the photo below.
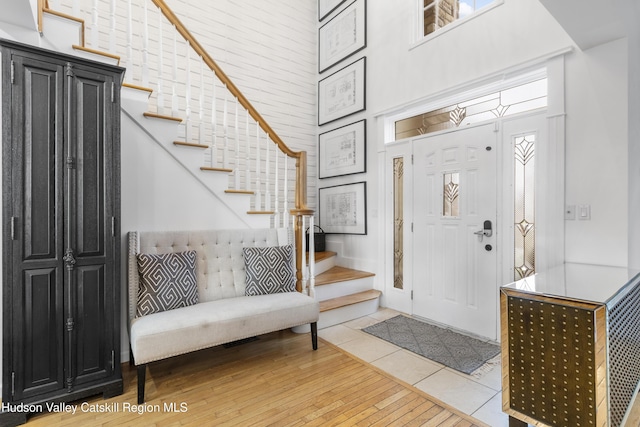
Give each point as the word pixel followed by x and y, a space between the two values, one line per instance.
pixel 60 224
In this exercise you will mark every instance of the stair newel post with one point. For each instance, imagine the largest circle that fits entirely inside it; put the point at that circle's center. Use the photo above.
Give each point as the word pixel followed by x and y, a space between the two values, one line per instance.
pixel 201 105
pixel 145 46
pixel 258 199
pixel 160 90
pixel 267 178
pixel 187 96
pixel 236 168
pixel 312 259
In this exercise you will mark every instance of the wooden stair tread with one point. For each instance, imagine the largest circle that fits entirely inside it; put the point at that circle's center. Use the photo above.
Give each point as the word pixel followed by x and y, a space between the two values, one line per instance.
pixel 161 116
pixel 132 86
pixel 340 274
pixel 239 191
pixel 210 169
pixel 96 52
pixel 260 212
pixel 321 256
pixel 347 300
pixel 190 144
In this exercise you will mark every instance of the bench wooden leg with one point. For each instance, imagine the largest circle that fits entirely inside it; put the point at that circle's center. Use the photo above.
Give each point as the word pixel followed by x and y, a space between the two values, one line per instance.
pixel 142 372
pixel 314 335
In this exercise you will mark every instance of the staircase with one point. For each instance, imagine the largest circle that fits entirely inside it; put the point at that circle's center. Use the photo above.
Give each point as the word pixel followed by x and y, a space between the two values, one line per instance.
pixel 344 294
pixel 234 155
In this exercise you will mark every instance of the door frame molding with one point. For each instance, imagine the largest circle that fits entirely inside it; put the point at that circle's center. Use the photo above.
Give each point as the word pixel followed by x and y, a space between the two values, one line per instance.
pixel 550 237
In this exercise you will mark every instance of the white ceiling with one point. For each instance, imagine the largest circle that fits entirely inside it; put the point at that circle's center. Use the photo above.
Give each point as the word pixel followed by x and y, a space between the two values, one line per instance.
pixel 593 22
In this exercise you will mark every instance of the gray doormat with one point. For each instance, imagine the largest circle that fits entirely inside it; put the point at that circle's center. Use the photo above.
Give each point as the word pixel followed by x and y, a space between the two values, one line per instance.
pixel 457 351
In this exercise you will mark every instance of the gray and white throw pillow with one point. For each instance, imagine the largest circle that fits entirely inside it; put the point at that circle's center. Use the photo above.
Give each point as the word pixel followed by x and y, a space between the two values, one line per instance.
pixel 167 281
pixel 269 270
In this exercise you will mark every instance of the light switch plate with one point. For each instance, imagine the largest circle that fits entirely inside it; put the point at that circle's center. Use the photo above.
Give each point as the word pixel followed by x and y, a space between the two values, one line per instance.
pixel 584 212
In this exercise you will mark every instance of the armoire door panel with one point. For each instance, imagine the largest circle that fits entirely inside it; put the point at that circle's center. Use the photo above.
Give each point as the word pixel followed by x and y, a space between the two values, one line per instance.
pixel 41 329
pixel 91 332
pixel 89 95
pixel 39 160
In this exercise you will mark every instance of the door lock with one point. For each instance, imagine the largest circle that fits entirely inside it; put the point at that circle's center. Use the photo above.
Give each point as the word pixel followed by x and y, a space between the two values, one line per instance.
pixel 486 231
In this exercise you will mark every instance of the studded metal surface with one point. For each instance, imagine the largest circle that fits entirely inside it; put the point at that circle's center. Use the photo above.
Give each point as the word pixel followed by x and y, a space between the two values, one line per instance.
pixel 552 362
pixel 624 353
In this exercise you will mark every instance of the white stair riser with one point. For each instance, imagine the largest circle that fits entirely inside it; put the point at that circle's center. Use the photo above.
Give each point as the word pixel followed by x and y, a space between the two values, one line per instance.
pixel 325 265
pixel 347 313
pixel 340 289
pixel 62 32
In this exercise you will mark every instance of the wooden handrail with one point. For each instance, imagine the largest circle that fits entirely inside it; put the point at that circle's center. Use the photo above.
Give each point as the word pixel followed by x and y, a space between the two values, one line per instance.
pixel 301 169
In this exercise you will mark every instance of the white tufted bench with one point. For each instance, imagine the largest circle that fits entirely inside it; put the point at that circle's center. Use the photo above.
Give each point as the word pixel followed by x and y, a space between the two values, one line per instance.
pixel 223 313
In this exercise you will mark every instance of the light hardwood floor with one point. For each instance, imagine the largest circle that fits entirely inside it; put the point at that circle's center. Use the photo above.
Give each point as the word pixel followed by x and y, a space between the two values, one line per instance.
pixel 274 381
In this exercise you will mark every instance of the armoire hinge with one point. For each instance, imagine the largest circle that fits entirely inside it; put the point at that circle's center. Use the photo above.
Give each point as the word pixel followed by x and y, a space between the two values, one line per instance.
pixel 13 384
pixel 411 295
pixel 13 72
pixel 113 92
pixel 70 324
pixel 71 163
pixel 113 226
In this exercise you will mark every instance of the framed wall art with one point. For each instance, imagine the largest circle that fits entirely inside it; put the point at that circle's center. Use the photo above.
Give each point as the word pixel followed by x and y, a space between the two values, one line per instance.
pixel 342 93
pixel 343 209
pixel 325 7
pixel 343 35
pixel 342 151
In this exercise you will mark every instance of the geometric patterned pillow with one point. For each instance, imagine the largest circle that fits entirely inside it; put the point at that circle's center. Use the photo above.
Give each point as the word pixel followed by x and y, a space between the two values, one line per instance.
pixel 269 270
pixel 167 281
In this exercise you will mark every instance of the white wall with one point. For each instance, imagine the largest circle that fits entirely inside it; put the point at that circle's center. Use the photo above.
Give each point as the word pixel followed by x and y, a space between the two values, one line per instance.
pixel 399 71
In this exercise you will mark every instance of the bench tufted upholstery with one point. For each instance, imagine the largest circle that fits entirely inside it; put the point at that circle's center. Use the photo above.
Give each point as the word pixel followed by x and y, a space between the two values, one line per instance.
pixel 223 313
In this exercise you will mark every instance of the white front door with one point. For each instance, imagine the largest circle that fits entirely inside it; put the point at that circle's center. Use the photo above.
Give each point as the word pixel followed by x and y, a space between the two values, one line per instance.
pixel 454 238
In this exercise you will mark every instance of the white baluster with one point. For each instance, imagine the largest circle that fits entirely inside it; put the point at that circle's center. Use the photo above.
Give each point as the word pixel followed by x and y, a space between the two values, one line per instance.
pixel 305 273
pixel 276 217
pixel 94 25
pixel 214 127
pixel 187 120
pixel 258 199
pixel 225 152
pixel 201 104
pixel 236 169
pixel 267 184
pixel 112 32
pixel 312 259
pixel 145 47
pixel 160 96
pixel 174 76
pixel 129 71
pixel 285 210
pixel 247 160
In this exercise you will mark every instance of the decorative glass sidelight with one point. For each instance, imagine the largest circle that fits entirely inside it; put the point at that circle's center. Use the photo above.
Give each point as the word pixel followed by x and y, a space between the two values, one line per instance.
pixel 398 222
pixel 524 208
pixel 450 202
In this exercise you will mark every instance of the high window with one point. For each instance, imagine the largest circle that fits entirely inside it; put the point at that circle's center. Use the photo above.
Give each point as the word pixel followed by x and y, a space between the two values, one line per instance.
pixel 437 14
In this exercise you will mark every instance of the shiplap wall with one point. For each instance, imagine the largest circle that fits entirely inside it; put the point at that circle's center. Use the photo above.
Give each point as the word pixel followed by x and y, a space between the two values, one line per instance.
pixel 268 49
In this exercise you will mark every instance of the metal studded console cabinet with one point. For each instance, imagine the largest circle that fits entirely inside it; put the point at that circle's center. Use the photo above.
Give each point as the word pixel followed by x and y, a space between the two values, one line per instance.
pixel 571 346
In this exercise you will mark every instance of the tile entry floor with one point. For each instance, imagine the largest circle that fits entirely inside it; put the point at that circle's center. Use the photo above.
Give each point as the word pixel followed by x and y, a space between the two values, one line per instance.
pixel 479 397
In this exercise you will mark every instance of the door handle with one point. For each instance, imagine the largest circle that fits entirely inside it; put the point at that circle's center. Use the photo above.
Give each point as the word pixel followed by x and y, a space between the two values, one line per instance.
pixel 487 230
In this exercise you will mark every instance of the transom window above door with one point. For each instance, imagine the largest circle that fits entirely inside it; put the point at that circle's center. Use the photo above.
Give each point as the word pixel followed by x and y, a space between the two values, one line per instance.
pixel 437 14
